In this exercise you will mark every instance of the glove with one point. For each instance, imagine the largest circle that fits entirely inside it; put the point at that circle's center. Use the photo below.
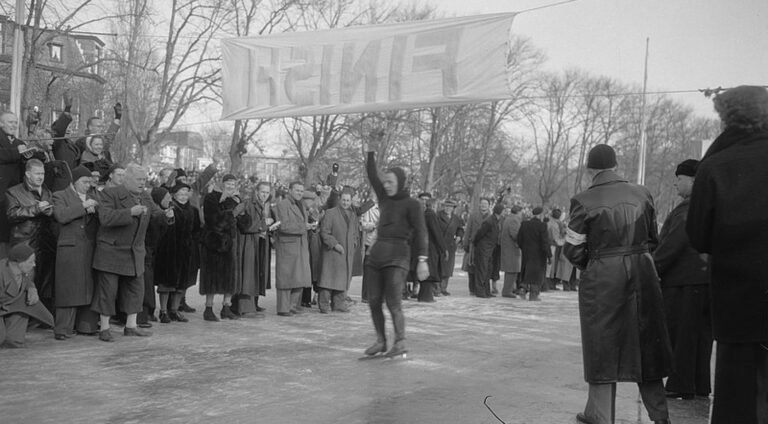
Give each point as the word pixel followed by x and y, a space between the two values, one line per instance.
pixel 118 108
pixel 335 168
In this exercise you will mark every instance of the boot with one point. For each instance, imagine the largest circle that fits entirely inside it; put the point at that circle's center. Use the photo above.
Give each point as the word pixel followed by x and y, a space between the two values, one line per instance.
pixel 183 307
pixel 164 318
pixel 227 313
pixel 494 290
pixel 177 316
pixel 379 347
pixel 208 314
pixel 398 349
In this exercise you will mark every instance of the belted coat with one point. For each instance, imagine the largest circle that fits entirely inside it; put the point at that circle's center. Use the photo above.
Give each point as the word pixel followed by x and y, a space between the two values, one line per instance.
pixel 610 235
pixel 336 269
pixel 292 267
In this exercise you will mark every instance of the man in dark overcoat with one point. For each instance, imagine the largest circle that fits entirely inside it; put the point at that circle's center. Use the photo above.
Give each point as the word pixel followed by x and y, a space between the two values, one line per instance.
pixel 484 242
pixel 685 285
pixel 436 257
pixel 30 215
pixel 11 170
pixel 453 233
pixel 74 208
pixel 728 219
pixel 623 333
pixel 124 215
pixel 533 239
pixel 473 224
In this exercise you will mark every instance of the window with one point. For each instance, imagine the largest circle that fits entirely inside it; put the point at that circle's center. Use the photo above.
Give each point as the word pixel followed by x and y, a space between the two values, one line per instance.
pixel 95 58
pixel 55 51
pixel 270 169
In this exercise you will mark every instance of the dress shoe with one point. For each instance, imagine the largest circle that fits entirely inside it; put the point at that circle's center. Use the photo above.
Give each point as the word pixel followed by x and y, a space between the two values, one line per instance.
pixel 106 336
pixel 208 315
pixel 177 316
pixel 136 332
pixel 260 309
pixel 284 314
pixel 152 318
pixel 164 318
pixel 582 418
pixel 445 293
pixel 60 336
pixel 376 348
pixel 186 308
pixel 227 313
pixel 144 325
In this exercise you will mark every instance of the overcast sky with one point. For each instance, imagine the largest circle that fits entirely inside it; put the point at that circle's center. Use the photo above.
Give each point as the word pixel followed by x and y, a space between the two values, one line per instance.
pixel 693 43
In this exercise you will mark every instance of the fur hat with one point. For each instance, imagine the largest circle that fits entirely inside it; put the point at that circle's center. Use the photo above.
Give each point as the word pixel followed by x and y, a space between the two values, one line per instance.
pixel 687 167
pixel 745 106
pixel 80 172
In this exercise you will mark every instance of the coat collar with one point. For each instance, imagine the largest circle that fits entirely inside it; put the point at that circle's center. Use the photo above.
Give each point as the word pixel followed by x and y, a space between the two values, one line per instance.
pixel 607 177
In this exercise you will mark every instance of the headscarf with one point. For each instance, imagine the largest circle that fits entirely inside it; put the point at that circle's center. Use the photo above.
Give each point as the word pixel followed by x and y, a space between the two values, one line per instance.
pixel 402 190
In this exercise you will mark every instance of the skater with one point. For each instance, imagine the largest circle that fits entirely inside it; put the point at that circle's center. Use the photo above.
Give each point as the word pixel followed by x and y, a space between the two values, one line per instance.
pixel 401 220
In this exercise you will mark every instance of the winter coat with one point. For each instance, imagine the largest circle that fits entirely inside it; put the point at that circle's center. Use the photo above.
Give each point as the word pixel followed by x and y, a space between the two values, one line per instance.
pixel 63 148
pixel 677 262
pixel 511 255
pixel 176 256
pixel 74 249
pixel 13 296
pixel 533 239
pixel 336 229
pixel 473 224
pixel 10 175
pixel 728 219
pixel 292 268
pixel 611 232
pixel 219 245
pixel 436 258
pixel 120 240
pixel 29 224
pixel 453 227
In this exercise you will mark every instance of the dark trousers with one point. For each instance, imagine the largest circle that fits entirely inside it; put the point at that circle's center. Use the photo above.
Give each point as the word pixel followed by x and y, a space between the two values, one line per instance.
pixel 13 330
pixel 76 318
pixel 471 282
pixel 386 284
pixel 427 291
pixel 690 331
pixel 106 290
pixel 741 384
pixel 601 403
pixel 306 295
pixel 483 268
pixel 148 303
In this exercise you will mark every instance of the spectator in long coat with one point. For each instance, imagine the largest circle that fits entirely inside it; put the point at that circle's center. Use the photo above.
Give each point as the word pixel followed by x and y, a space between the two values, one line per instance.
pixel 124 215
pixel 263 211
pixel 685 285
pixel 623 333
pixel 453 234
pixel 315 212
pixel 11 170
pixel 156 230
pixel 533 239
pixel 559 269
pixel 30 214
pixel 248 263
pixel 222 209
pixel 340 235
pixel 484 242
pixel 473 224
pixel 727 219
pixel 74 208
pixel 292 269
pixel 18 297
pixel 436 257
pixel 511 255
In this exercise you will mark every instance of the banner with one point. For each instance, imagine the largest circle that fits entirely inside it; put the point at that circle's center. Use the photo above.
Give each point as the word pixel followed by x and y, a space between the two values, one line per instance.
pixel 367 68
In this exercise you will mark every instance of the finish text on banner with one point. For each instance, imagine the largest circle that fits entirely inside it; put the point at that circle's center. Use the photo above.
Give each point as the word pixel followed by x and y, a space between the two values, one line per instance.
pixel 367 68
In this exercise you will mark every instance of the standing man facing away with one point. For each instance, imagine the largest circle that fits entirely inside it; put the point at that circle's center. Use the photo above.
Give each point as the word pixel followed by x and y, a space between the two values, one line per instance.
pixel 484 242
pixel 727 219
pixel 623 333
pixel 511 255
pixel 534 244
pixel 401 225
pixel 473 224
pixel 685 284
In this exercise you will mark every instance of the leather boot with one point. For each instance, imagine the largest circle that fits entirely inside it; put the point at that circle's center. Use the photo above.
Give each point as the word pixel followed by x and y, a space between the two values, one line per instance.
pixel 379 347
pixel 208 314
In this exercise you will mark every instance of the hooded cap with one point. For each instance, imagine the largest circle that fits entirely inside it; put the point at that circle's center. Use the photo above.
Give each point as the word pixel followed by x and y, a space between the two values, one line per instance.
pixel 601 156
pixel 158 194
pixel 402 189
pixel 687 167
pixel 20 253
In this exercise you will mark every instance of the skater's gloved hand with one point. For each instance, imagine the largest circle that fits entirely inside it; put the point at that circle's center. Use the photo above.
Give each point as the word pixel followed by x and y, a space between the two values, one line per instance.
pixel 422 271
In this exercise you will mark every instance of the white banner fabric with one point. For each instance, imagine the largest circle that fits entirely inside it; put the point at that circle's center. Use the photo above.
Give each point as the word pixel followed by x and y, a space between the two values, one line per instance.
pixel 367 68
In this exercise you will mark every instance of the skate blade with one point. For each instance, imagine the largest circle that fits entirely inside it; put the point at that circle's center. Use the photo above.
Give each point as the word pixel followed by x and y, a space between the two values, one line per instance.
pixel 403 356
pixel 370 357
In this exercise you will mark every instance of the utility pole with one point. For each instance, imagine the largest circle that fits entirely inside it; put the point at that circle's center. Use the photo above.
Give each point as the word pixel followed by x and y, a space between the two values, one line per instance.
pixel 18 57
pixel 643 133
